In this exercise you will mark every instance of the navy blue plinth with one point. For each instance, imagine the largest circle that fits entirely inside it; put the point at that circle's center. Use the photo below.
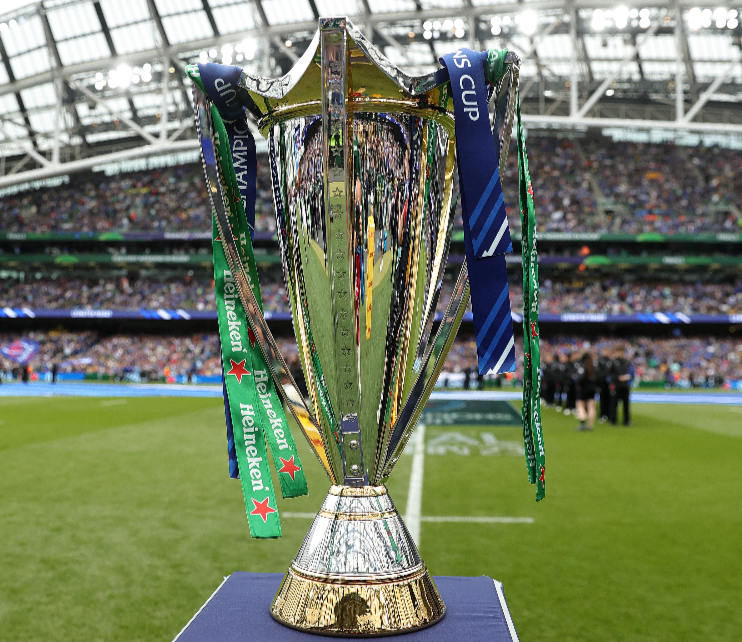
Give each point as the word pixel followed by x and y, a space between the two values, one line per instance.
pixel 239 612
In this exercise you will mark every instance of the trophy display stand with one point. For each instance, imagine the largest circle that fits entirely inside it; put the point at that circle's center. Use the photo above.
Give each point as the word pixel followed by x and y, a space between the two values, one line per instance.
pixel 239 612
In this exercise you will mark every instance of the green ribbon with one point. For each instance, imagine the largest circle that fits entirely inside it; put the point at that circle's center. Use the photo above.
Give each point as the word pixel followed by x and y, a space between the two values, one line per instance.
pixel 531 410
pixel 255 406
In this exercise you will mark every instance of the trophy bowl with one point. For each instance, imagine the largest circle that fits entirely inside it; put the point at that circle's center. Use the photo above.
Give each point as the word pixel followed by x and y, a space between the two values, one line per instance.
pixel 362 159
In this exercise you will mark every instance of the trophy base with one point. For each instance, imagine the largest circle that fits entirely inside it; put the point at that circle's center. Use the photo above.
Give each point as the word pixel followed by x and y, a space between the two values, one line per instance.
pixel 358 572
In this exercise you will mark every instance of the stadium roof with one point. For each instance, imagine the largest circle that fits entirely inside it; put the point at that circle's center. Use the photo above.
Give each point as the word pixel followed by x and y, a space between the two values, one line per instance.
pixel 87 82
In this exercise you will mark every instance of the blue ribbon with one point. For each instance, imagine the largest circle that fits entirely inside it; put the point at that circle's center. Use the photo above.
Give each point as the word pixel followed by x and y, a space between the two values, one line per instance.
pixel 486 231
pixel 221 83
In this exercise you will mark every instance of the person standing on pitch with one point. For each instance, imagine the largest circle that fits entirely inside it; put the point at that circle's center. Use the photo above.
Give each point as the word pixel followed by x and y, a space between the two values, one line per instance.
pixel 574 362
pixel 587 386
pixel 604 376
pixel 623 375
pixel 548 379
pixel 563 374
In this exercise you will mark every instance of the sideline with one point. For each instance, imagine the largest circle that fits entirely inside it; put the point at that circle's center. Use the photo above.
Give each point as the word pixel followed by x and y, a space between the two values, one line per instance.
pixel 94 389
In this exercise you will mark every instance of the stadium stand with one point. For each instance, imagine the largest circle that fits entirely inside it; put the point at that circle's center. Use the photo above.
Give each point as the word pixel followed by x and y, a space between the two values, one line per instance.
pixel 581 185
pixel 610 296
pixel 146 236
pixel 676 361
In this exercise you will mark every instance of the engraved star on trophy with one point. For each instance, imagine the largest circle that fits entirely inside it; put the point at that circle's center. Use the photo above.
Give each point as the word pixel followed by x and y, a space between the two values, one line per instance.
pixel 362 159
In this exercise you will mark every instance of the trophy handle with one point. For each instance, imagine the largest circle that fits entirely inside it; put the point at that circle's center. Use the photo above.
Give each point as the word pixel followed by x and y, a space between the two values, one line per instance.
pixel 268 346
pixel 504 91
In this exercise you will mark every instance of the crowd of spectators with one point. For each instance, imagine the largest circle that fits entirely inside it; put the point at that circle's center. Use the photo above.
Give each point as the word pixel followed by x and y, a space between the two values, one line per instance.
pixel 189 293
pixel 161 200
pixel 563 194
pixel 681 362
pixel 186 293
pixel 667 188
pixel 652 188
pixel 619 297
pixel 116 294
pixel 616 297
pixel 126 356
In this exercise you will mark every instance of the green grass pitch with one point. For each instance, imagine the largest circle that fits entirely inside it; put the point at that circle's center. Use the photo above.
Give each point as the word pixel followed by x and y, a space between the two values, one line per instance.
pixel 118 520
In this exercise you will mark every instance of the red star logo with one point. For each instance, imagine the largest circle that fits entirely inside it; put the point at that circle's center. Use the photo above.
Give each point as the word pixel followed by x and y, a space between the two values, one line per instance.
pixel 542 479
pixel 251 337
pixel 238 370
pixel 262 509
pixel 530 190
pixel 289 467
pixel 533 330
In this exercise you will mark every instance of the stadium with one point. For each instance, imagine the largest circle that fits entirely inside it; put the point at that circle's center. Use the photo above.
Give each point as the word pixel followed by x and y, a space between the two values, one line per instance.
pixel 117 512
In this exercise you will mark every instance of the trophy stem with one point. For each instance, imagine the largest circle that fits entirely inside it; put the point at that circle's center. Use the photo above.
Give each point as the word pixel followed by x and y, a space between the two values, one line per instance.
pixel 358 572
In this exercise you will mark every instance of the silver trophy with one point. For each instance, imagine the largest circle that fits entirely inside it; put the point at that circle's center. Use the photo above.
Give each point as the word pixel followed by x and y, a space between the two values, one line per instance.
pixel 362 159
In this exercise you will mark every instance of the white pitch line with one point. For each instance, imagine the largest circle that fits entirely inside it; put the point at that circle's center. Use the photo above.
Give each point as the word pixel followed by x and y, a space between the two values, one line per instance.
pixel 479 520
pixel 415 493
pixel 299 515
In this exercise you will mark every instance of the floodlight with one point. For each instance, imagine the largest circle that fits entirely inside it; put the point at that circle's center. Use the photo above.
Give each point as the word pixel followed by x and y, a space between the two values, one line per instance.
pixel 123 76
pixel 249 47
pixel 695 18
pixel 528 22
pixel 598 22
pixel 621 17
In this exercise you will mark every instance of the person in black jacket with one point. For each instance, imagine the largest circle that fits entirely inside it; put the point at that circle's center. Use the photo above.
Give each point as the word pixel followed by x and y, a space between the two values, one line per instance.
pixel 574 362
pixel 586 388
pixel 623 375
pixel 605 378
pixel 548 380
pixel 563 375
